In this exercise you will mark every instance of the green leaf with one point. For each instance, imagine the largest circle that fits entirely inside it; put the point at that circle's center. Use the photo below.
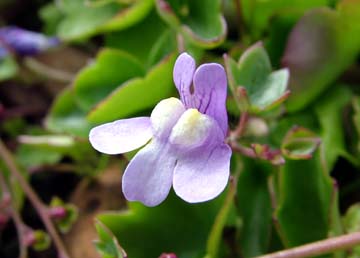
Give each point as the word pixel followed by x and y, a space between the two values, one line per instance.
pixel 107 245
pixel 329 110
pixel 174 226
pixel 66 117
pixel 8 68
pixel 42 240
pixel 201 21
pixel 255 208
pixel 351 221
pixel 300 143
pixel 257 13
pixel 81 20
pixel 111 69
pixel 356 119
pixel 320 47
pixel 264 89
pixel 71 214
pixel 305 199
pixel 151 30
pixel 32 156
pixel 137 94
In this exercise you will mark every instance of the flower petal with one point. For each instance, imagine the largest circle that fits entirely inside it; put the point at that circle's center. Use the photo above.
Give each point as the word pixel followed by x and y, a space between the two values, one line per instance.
pixel 121 136
pixel 210 89
pixel 148 176
pixel 202 175
pixel 183 76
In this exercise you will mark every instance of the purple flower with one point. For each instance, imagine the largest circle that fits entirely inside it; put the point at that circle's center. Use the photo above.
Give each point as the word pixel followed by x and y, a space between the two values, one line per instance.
pixel 24 42
pixel 187 149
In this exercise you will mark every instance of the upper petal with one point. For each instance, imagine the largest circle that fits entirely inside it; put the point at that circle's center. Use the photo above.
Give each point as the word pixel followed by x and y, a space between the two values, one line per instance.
pixel 121 136
pixel 203 174
pixel 148 177
pixel 183 75
pixel 210 90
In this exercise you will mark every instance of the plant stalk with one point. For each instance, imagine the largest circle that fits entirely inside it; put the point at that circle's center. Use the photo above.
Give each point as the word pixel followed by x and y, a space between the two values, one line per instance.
pixel 318 248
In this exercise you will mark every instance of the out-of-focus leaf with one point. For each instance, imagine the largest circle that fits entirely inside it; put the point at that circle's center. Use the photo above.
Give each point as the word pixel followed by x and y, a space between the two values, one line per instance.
pixel 329 110
pixel 146 232
pixel 201 21
pixel 320 47
pixel 42 240
pixel 80 20
pixel 137 94
pixel 142 39
pixel 300 143
pixel 8 68
pixel 51 16
pixel 64 223
pixel 255 208
pixel 356 118
pixel 107 245
pixel 257 13
pixel 305 199
pixel 31 156
pixel 265 89
pixel 111 69
pixel 66 117
pixel 351 221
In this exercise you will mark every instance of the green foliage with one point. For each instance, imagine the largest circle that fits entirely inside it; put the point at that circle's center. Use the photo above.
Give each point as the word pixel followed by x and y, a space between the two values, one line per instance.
pixel 8 68
pixel 331 38
pixel 263 88
pixel 107 245
pixel 254 204
pixel 200 22
pixel 164 228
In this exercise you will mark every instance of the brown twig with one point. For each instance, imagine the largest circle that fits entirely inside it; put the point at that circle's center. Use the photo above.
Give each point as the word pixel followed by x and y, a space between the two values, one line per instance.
pixel 318 248
pixel 35 200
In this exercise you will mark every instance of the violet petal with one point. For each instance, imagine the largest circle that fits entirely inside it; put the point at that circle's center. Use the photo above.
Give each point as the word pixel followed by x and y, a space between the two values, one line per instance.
pixel 210 90
pixel 121 136
pixel 203 174
pixel 183 76
pixel 148 176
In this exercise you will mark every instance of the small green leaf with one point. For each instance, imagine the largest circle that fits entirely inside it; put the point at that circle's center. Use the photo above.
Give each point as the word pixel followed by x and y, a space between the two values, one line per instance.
pixel 201 21
pixel 42 240
pixel 8 68
pixel 300 143
pixel 137 94
pixel 107 245
pixel 64 223
pixel 66 117
pixel 254 204
pixel 264 89
pixel 111 69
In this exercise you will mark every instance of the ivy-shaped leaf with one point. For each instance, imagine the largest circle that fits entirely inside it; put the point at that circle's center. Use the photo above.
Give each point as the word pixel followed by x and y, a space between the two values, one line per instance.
pixel 111 69
pixel 201 21
pixel 253 75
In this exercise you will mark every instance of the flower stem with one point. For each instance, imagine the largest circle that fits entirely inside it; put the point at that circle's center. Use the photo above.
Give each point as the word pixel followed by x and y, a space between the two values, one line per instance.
pixel 240 129
pixel 19 225
pixel 35 200
pixel 318 248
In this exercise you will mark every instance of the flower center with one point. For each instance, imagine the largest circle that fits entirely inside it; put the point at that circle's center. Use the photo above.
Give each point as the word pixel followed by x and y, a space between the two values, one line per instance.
pixel 191 130
pixel 165 115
